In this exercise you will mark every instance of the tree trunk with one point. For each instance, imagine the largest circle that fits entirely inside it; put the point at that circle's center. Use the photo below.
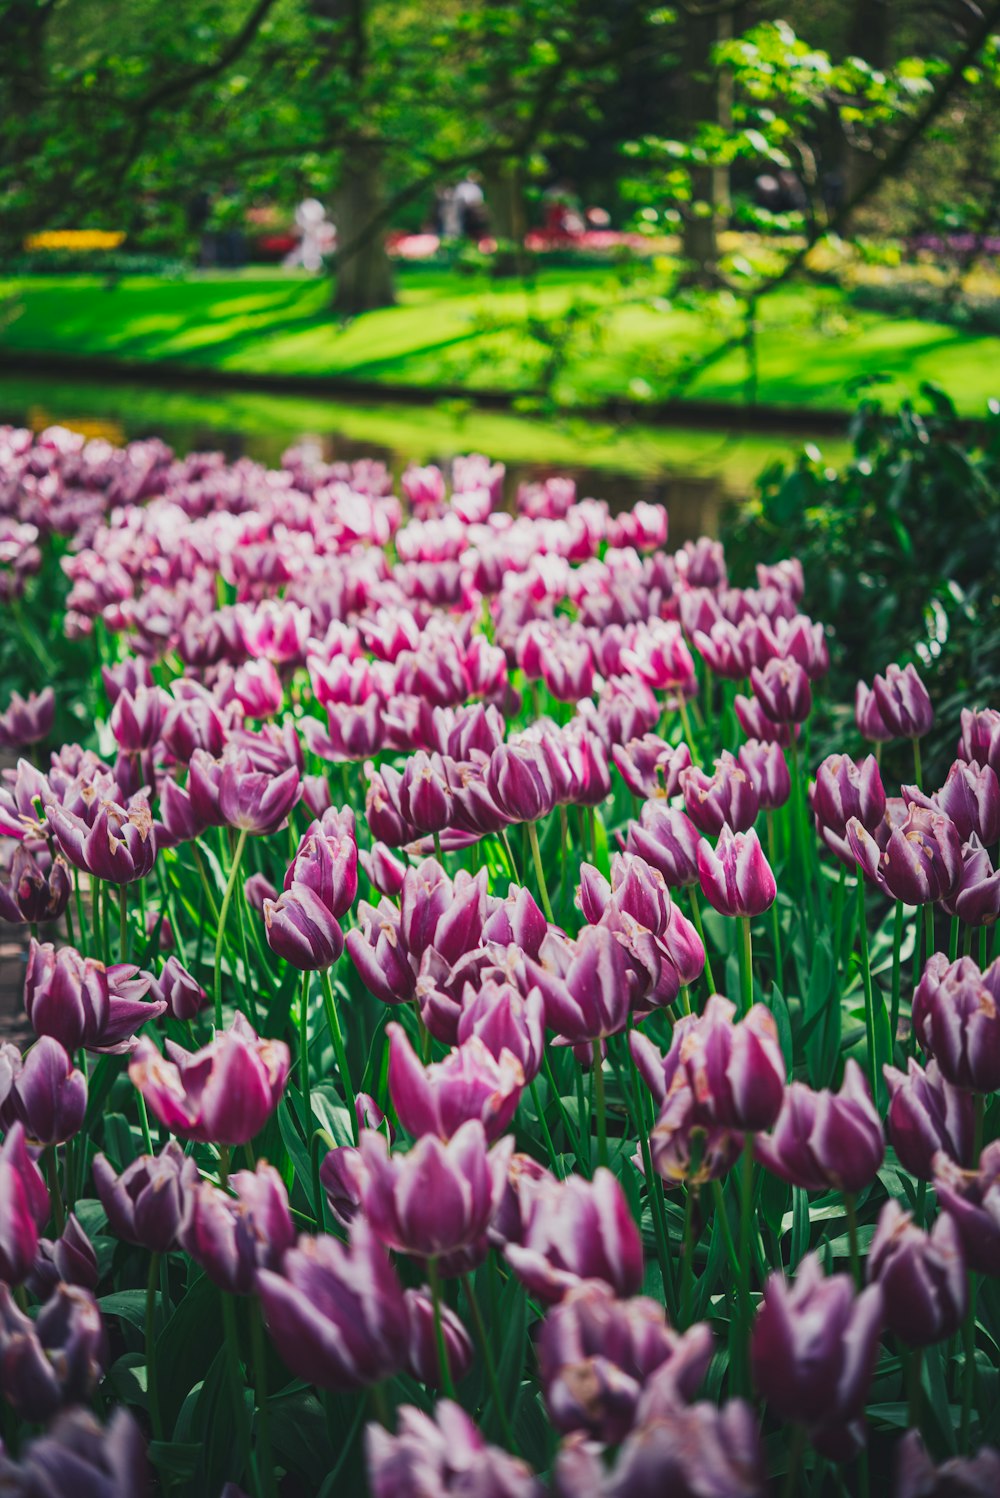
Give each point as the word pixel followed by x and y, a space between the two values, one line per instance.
pixel 505 199
pixel 363 273
pixel 707 96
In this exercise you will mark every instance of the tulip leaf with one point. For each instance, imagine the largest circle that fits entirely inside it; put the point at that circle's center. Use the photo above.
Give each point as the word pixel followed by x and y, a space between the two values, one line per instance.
pixel 783 1020
pixel 175 1459
pixel 127 1377
pixel 129 1305
pixel 195 1324
pixel 292 1140
pixel 513 1323
pixel 119 1142
pixel 800 1226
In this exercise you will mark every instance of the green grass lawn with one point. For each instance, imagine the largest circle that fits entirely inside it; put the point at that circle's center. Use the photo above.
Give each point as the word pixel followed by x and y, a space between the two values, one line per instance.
pixel 474 333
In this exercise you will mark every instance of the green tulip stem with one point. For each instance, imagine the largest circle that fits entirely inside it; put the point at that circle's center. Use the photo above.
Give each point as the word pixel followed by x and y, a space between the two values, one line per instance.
pixel 340 1050
pixel 220 934
pixel 52 1171
pixel 536 858
pixel 918 769
pixel 304 1054
pixel 123 932
pixel 152 1376
pixel 969 1369
pixel 438 854
pixel 746 964
pixel 746 1225
pixel 897 943
pixel 600 1104
pixel 699 927
pixel 434 1280
pixel 790 1487
pixel 866 973
pixel 852 1236
pixel 687 1265
pixel 914 1372
pixel 929 929
pixel 546 1134
pixel 491 1372
pixel 235 1379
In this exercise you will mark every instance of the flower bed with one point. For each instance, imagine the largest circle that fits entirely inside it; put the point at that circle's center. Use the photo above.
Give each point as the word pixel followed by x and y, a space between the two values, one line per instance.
pixel 477 1183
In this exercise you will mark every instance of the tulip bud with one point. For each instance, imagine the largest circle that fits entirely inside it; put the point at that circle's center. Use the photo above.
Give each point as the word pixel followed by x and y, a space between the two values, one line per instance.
pixel 384 871
pixel 183 994
pixel 736 878
pixel 783 691
pixel 768 770
pixel 69 1259
pixel 344 1176
pixel 727 797
pixel 927 1114
pixel 868 717
pixel 757 725
pixel 586 985
pixel 27 721
pixel 575 1230
pixel 976 900
pixel 50 1095
pixel 469 1083
pixel 231 1237
pixel 519 782
pixel 77 1455
pixel 971 1198
pixel 145 1204
pixel 34 894
pixel 302 930
pixel 446 1454
pixel 970 797
pixel 925 1288
pixel 80 1002
pixel 844 790
pixel 667 839
pixel 823 1140
pixel 505 1022
pixel 254 801
pixel 980 740
pixel 423 1359
pixel 917 860
pixel 24 1207
pixel 903 703
pixel 55 1360
pixel 812 1353
pixel 336 1312
pixel 956 1021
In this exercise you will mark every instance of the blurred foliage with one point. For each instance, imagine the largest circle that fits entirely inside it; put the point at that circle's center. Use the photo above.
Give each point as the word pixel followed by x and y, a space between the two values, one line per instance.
pixel 899 548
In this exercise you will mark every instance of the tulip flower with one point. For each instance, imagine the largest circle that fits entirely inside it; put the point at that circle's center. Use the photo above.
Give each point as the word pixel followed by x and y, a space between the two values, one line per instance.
pixel 903 703
pixel 824 1140
pixel 49 1095
pixel 441 1456
pixel 767 767
pixel 34 893
pixel 222 1094
pixel 423 1359
pixel 69 1259
pixel 27 720
pixel 384 871
pixel 868 717
pixel 56 1360
pixel 925 1288
pixel 971 1198
pixel 980 740
pixel 575 1230
pixel 917 859
pixel 145 1204
pixel 956 1020
pixel 80 1002
pixel 336 1312
pixel 117 845
pixel 976 899
pixel 438 1199
pixel 843 791
pixel 469 1083
pixel 586 985
pixel 344 1176
pixel 736 878
pixel 182 994
pixel 757 725
pixel 783 691
pixel 302 930
pixel 970 797
pixel 812 1354
pixel 596 1353
pixel 685 1146
pixel 327 861
pixel 970 1477
pixel 735 1070
pixel 519 781
pixel 927 1115
pixel 256 802
pixel 726 797
pixel 231 1237
pixel 667 839
pixel 77 1455
pixel 376 949
pixel 24 1207
pixel 505 1022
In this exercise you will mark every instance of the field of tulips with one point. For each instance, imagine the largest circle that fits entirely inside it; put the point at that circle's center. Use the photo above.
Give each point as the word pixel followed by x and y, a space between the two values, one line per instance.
pixel 469 1045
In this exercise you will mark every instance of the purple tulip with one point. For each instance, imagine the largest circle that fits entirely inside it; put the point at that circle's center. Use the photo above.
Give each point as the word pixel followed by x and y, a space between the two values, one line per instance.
pixel 903 703
pixel 926 1115
pixel 145 1204
pixel 77 1455
pixel 49 1095
pixel 69 1259
pixel 519 782
pixel 24 1207
pixel 925 1288
pixel 27 720
pixel 823 1140
pixel 956 1020
pixel 843 791
pixel 424 794
pixel 136 720
pixel 179 822
pixel 384 871
pixel 253 800
pixel 959 1477
pixel 34 893
pixel 231 1237
pixel 976 900
pixel 80 1002
pixel 327 861
pixel 344 1177
pixel 667 839
pixel 685 1146
pixel 516 921
pixel 980 740
pixel 596 1353
pixel 441 1456
pixel 736 878
pixel 970 797
pixel 868 717
pixel 812 1354
pixel 726 797
pixel 117 845
pixel 757 725
pixel 302 930
pixel 575 1230
pixel 336 1312
pixel 222 1094
pixel 423 1360
pixel 735 1071
pixel 783 691
pixel 376 949
pixel 767 767
pixel 971 1198
pixel 586 984
pixel 56 1360
pixel 438 1199
pixel 440 1098
pixel 503 1020
pixel 183 994
pixel 685 1450
pixel 651 767
pixel 917 860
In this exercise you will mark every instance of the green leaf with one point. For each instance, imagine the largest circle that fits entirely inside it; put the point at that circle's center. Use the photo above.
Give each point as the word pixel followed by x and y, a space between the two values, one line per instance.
pixel 129 1305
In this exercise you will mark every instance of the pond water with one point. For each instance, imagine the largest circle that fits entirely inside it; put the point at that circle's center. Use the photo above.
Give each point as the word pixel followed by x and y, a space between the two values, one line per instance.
pixel 695 473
